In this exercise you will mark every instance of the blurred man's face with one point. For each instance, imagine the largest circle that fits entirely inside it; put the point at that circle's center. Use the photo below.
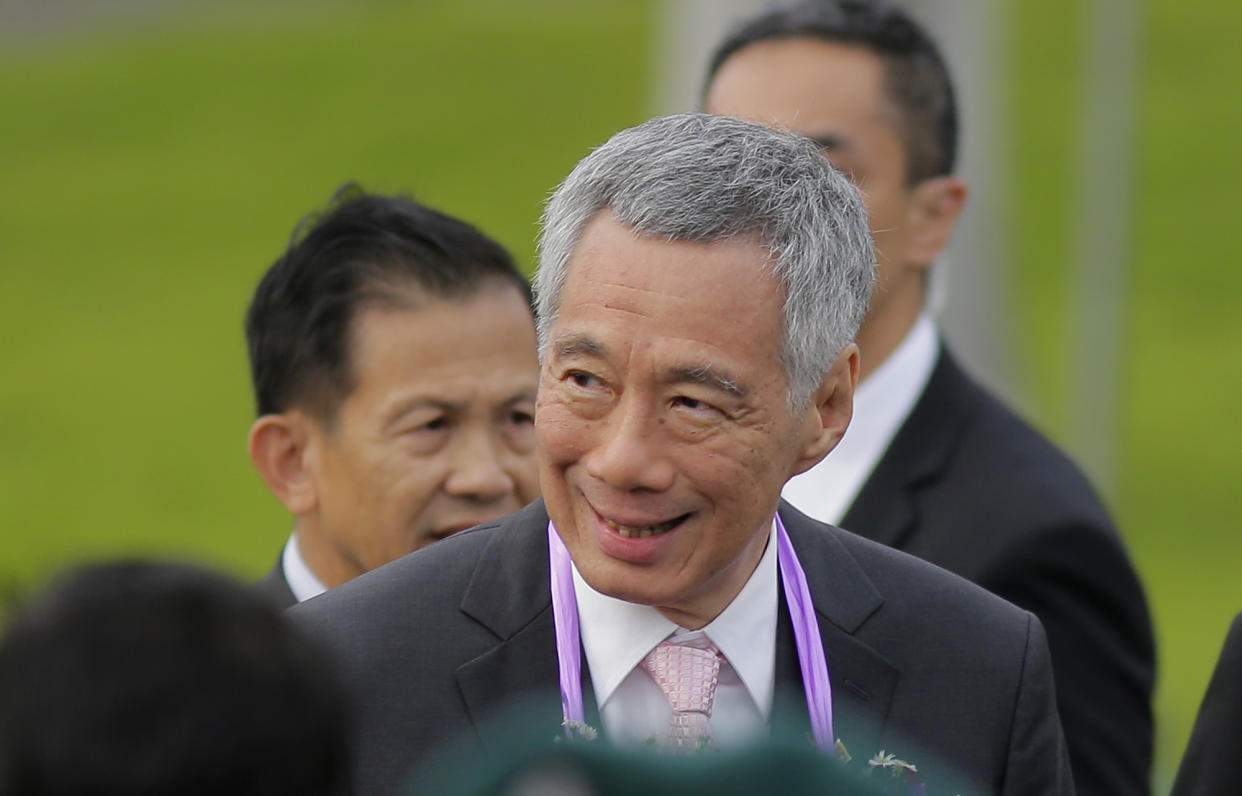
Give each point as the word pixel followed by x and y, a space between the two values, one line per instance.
pixel 436 436
pixel 663 431
pixel 834 94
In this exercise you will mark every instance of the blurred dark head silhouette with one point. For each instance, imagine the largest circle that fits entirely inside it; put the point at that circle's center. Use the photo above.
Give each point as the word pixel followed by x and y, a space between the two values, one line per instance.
pixel 156 678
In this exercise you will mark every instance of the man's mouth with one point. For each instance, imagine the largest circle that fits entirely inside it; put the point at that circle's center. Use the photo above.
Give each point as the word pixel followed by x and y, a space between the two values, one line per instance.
pixel 643 531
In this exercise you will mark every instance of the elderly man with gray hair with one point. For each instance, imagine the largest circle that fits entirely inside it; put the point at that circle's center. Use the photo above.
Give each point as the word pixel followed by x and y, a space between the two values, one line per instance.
pixel 701 281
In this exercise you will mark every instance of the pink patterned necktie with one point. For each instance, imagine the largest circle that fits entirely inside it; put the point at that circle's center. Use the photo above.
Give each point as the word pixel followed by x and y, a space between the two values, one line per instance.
pixel 687 673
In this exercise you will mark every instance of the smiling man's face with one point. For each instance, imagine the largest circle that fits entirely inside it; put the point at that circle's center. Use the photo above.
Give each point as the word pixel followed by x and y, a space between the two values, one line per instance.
pixel 662 428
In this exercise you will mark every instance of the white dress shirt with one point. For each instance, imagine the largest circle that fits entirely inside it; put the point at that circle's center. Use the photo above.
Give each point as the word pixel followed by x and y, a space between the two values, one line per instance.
pixel 881 404
pixel 302 582
pixel 617 635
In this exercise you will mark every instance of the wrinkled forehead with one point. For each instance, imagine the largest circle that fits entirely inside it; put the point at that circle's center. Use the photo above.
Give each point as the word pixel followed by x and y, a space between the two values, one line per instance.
pixel 644 281
pixel 615 266
pixel 700 256
pixel 658 234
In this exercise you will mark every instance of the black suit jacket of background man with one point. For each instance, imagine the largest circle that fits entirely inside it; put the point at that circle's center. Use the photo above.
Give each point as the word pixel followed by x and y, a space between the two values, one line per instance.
pixel 1213 761
pixel 921 661
pixel 969 487
pixel 274 586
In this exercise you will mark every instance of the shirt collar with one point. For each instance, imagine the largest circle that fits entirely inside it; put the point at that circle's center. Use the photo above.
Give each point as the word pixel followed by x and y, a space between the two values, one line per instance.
pixel 302 581
pixel 617 635
pixel 881 404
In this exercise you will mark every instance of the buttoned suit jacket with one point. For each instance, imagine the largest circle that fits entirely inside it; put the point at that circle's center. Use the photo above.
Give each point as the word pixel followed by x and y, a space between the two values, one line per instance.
pixel 968 486
pixel 921 662
pixel 274 586
pixel 1210 765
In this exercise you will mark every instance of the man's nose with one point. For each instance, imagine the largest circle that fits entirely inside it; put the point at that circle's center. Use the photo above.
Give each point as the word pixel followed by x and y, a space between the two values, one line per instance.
pixel 630 452
pixel 478 470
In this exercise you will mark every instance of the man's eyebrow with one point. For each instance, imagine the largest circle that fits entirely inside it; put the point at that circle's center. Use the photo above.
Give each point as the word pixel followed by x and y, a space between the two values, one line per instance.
pixel 710 377
pixel 578 345
pixel 518 397
pixel 402 407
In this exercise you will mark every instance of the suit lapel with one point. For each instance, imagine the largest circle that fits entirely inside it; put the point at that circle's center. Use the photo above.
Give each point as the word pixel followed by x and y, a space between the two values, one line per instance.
pixel 510 595
pixel 886 509
pixel 845 598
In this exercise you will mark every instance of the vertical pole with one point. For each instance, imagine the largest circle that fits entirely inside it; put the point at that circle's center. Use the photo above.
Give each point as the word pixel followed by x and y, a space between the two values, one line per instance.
pixel 688 31
pixel 1101 226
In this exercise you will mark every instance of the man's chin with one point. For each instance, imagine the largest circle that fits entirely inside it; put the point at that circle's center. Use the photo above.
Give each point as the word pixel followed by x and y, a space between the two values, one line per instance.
pixel 641 586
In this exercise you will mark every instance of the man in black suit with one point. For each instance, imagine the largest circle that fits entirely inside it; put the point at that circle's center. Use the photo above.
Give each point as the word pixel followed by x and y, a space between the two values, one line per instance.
pixel 1210 765
pixel 392 349
pixel 701 280
pixel 933 464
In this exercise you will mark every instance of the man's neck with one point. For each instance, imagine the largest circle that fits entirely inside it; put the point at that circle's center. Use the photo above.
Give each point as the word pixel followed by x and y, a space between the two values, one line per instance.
pixel 321 557
pixel 303 582
pixel 879 336
pixel 877 342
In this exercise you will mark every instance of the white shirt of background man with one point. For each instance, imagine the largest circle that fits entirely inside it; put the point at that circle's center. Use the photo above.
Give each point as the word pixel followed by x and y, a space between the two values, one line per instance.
pixel 881 404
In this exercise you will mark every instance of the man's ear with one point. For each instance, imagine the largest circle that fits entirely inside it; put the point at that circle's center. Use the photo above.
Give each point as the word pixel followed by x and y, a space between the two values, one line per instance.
pixel 278 446
pixel 829 412
pixel 932 213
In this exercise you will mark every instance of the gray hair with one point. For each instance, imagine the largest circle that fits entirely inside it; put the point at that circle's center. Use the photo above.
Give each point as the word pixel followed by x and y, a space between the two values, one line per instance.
pixel 703 178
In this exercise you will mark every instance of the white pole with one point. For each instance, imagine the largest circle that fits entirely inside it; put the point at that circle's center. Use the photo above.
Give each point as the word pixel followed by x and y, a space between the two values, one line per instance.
pixel 1101 224
pixel 687 32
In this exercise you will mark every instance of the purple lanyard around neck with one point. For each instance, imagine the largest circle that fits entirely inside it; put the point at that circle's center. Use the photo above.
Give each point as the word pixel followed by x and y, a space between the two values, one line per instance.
pixel 810 647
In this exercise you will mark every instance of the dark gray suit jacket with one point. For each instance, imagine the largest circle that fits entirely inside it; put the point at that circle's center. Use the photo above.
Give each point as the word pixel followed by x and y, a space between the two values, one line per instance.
pixel 274 587
pixel 969 487
pixel 1213 761
pixel 921 661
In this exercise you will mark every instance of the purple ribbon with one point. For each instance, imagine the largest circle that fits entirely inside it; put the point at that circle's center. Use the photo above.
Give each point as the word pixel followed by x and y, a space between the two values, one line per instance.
pixel 568 644
pixel 801 610
pixel 807 640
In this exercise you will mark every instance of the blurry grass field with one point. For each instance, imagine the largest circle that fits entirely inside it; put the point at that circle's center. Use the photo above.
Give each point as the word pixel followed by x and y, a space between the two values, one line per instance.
pixel 1182 375
pixel 150 174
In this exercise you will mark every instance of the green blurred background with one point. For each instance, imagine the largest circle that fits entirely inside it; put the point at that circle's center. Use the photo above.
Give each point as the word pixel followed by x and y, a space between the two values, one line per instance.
pixel 149 172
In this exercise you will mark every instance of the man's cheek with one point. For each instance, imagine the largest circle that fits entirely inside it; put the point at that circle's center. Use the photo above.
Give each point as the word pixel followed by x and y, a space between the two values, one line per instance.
pixel 559 434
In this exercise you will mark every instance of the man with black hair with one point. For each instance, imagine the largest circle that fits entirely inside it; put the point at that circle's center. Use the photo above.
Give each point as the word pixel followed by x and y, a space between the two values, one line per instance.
pixel 392 350
pixel 932 464
pixel 135 678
